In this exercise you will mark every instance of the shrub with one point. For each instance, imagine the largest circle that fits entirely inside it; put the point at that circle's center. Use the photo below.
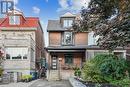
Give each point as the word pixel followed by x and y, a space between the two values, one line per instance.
pixel 125 82
pixel 91 72
pixel 77 72
pixel 106 68
pixel 1 71
pixel 128 64
pixel 114 67
pixel 26 78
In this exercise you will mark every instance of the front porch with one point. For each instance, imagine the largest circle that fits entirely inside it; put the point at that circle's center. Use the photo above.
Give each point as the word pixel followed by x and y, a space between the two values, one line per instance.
pixel 61 64
pixel 62 60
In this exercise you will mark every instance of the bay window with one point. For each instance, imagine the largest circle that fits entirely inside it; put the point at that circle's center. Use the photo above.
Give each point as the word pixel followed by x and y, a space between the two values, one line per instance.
pixel 16 53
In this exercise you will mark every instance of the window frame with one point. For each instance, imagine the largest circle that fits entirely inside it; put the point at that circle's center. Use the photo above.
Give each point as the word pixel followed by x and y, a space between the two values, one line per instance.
pixel 11 57
pixel 64 38
pixel 67 23
pixel 69 56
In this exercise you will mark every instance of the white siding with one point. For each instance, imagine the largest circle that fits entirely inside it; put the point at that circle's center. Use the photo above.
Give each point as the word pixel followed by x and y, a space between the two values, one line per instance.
pixel 91 39
pixel 20 39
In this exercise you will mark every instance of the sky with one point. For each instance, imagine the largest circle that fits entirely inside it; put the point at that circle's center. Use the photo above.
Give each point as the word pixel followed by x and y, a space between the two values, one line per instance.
pixel 48 9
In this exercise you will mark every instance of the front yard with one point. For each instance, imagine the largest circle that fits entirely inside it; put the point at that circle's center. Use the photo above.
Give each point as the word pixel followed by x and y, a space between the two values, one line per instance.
pixel 104 70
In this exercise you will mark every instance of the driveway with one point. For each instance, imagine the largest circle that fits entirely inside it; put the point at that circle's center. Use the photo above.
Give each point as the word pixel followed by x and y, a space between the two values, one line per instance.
pixel 45 83
pixel 19 84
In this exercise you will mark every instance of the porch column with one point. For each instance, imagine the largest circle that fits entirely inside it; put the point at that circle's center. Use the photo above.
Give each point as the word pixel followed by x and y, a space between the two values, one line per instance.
pixel 86 55
pixel 59 67
pixel 48 64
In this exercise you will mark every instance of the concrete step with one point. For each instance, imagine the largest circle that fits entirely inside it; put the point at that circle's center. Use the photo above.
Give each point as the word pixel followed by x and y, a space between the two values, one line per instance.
pixel 54 75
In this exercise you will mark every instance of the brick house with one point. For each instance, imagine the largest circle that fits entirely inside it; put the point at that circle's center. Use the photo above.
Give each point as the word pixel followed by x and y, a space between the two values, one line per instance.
pixel 21 38
pixel 68 49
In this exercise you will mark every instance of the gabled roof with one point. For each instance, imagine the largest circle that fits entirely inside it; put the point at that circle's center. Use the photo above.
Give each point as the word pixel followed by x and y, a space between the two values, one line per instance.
pixel 15 11
pixel 54 25
pixel 24 21
pixel 28 22
pixel 68 14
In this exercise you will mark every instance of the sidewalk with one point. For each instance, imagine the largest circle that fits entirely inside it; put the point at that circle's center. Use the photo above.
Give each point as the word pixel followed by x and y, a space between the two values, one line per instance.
pixel 19 84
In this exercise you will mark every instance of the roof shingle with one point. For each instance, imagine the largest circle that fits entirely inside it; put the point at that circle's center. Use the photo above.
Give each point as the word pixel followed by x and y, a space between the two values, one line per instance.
pixel 54 25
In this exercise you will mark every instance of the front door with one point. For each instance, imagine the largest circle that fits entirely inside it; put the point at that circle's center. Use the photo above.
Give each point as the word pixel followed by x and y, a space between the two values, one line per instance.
pixel 54 62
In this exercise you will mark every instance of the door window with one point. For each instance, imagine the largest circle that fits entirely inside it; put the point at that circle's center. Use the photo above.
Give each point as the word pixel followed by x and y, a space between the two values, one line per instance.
pixel 54 62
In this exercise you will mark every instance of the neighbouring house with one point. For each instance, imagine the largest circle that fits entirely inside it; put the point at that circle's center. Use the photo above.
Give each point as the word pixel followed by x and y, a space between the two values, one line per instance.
pixel 21 38
pixel 68 49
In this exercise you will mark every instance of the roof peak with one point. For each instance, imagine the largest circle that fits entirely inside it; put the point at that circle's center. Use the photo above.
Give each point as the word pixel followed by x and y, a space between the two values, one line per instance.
pixel 68 14
pixel 15 11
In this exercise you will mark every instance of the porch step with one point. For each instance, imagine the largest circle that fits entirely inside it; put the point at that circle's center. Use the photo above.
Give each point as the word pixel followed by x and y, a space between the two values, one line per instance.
pixel 53 75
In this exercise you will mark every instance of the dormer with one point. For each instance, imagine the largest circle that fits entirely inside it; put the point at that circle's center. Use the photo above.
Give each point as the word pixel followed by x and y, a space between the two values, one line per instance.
pixel 67 19
pixel 15 17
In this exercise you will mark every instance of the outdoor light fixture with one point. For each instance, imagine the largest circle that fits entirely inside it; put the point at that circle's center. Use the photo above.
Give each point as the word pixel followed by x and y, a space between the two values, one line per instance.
pixel 60 59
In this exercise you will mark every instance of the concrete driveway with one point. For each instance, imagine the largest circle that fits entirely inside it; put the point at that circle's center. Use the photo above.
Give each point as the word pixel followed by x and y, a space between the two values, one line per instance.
pixel 19 84
pixel 45 83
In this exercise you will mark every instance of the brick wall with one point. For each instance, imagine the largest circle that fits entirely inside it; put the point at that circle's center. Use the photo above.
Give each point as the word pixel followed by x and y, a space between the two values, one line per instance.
pixel 81 38
pixel 39 43
pixel 77 59
pixel 54 38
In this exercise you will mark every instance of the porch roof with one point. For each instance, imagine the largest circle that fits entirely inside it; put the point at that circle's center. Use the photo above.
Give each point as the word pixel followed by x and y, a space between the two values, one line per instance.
pixel 76 48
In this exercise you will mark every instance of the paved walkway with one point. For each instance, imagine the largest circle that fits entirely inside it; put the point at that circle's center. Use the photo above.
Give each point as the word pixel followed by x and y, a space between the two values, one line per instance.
pixel 39 83
pixel 44 83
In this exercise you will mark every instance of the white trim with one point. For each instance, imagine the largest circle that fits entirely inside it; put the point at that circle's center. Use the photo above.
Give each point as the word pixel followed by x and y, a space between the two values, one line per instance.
pixel 66 51
pixel 92 52
pixel 123 51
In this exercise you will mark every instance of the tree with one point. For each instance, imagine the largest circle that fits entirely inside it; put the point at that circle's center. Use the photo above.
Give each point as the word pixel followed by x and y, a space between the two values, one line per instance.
pixel 109 19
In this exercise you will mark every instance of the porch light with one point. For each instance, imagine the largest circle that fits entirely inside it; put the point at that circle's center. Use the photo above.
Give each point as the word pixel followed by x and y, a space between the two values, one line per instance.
pixel 60 59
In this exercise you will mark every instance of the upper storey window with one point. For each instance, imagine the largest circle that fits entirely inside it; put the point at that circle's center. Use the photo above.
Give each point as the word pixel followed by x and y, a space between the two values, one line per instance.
pixel 67 23
pixel 14 20
pixel 68 38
